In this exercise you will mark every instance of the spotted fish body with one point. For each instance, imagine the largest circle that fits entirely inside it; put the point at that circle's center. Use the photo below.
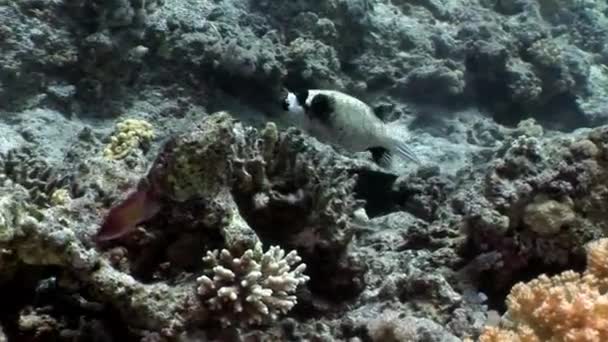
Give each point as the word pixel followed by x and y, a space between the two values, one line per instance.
pixel 340 119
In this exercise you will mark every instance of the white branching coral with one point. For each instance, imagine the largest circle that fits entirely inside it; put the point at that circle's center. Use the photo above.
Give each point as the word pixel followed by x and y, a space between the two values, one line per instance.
pixel 252 289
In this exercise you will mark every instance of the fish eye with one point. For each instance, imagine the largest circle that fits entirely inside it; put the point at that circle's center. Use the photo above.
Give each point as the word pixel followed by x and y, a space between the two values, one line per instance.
pixel 321 107
pixel 284 93
pixel 301 96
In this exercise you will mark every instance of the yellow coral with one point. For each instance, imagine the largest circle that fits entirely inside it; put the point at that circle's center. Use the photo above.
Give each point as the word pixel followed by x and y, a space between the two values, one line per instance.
pixel 129 134
pixel 546 216
pixel 569 307
pixel 60 197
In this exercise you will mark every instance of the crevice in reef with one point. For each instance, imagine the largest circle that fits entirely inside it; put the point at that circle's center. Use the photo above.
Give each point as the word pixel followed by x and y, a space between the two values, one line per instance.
pixel 497 294
pixel 563 113
pixel 175 243
pixel 333 276
pixel 16 294
pixel 558 112
pixel 376 189
pixel 278 221
pixel 36 308
pixel 497 282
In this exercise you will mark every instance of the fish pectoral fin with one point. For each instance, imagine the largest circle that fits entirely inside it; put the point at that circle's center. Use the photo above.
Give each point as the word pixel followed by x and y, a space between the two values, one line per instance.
pixel 407 153
pixel 381 156
pixel 401 148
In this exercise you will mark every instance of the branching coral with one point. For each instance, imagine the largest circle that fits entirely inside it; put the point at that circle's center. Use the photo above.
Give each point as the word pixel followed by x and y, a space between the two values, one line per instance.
pixel 23 167
pixel 252 289
pixel 567 307
pixel 129 134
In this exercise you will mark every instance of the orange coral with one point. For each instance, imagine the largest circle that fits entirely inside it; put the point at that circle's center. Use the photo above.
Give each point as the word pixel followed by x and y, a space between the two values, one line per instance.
pixel 522 334
pixel 597 263
pixel 569 307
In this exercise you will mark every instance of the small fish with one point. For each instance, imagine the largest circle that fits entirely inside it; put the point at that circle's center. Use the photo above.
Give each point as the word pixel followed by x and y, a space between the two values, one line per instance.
pixel 340 119
pixel 139 206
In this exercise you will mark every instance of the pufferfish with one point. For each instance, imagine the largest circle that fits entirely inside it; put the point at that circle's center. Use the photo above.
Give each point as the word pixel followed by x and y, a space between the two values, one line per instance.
pixel 340 119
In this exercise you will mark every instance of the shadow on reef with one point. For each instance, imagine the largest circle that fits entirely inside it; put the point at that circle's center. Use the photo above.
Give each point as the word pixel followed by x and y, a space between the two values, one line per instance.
pixel 514 267
pixel 488 81
pixel 179 236
pixel 533 209
pixel 375 188
pixel 174 249
pixel 37 307
pixel 333 275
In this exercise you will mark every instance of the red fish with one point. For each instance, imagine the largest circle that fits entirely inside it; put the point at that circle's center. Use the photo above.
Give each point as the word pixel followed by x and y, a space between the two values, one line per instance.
pixel 138 207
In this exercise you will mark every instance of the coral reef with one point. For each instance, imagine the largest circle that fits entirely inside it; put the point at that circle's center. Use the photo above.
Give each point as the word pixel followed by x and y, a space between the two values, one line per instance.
pixel 391 328
pixel 203 166
pixel 43 182
pixel 503 100
pixel 248 185
pixel 541 202
pixel 564 307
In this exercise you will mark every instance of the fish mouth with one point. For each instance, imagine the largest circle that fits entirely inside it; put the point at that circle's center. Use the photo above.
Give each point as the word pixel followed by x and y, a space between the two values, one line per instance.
pixel 290 103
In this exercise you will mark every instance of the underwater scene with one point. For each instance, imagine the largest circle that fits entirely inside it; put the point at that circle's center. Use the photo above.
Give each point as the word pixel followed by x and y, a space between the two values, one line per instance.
pixel 304 170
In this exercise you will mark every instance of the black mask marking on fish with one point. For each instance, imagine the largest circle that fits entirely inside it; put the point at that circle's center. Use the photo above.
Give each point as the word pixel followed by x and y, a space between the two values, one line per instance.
pixel 321 107
pixel 284 103
pixel 301 96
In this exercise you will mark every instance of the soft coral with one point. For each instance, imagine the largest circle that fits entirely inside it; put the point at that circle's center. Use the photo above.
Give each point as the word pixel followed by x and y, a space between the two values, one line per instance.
pixel 567 307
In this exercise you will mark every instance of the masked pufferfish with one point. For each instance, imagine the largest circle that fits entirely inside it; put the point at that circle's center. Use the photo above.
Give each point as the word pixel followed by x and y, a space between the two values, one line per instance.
pixel 340 119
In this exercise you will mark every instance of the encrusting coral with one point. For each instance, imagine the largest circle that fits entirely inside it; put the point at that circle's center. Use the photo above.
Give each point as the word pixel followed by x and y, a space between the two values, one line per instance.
pixel 546 216
pixel 541 199
pixel 129 134
pixel 568 307
pixel 252 289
